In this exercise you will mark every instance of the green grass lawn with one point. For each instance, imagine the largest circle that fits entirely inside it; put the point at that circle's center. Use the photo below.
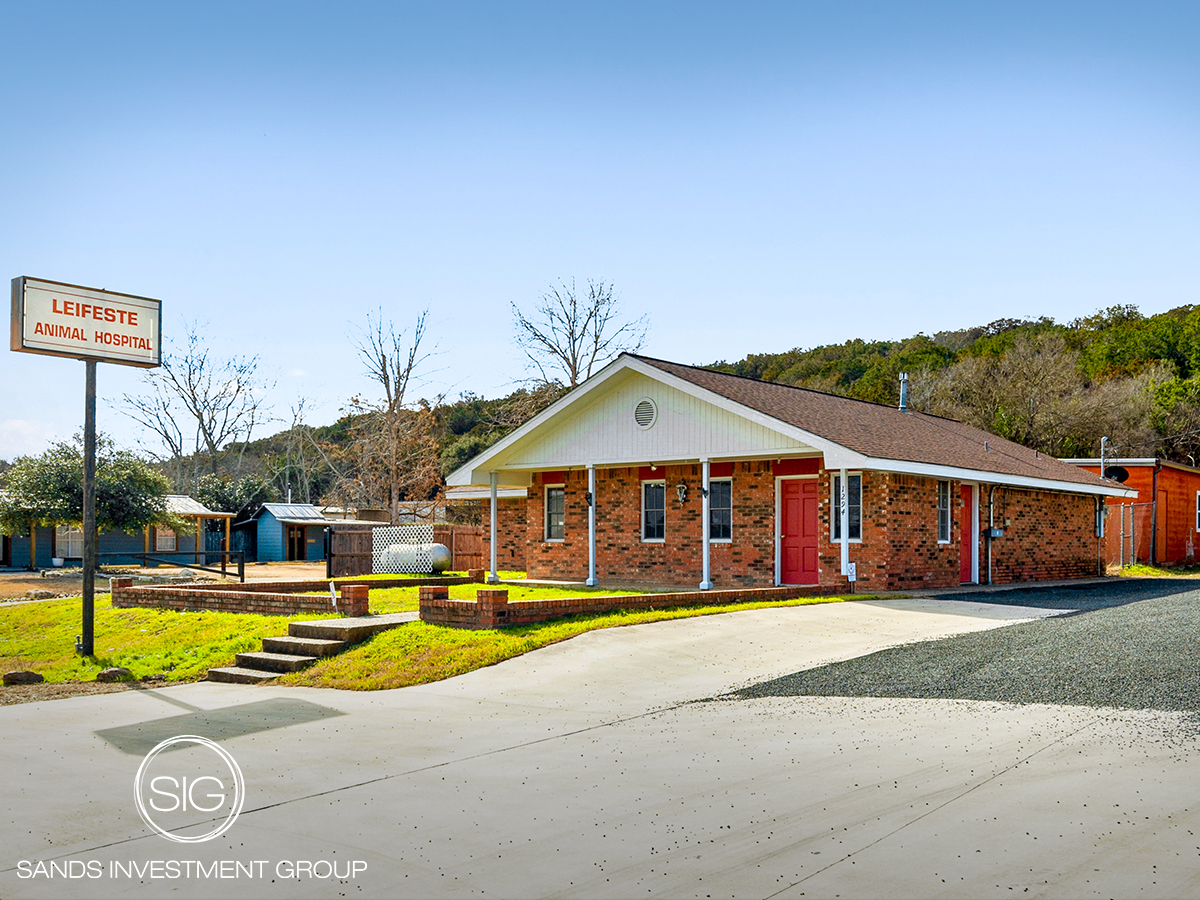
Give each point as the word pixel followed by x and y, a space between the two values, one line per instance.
pixel 181 645
pixel 383 577
pixel 1141 570
pixel 418 652
pixel 404 599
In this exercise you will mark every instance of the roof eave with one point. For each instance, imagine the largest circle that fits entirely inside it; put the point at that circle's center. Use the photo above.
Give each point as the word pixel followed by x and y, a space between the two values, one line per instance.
pixel 956 473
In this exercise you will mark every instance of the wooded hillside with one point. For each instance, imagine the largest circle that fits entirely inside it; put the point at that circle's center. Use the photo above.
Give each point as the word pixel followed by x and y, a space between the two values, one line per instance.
pixel 1059 388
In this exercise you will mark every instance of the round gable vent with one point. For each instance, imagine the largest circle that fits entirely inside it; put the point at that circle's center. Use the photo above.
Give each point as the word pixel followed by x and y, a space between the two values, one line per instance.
pixel 645 413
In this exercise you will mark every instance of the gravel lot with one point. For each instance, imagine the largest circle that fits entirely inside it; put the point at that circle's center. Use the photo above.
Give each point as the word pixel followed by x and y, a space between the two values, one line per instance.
pixel 1081 597
pixel 1136 645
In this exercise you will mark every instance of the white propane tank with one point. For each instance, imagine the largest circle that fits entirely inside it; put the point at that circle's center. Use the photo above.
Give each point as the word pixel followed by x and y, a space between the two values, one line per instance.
pixel 427 558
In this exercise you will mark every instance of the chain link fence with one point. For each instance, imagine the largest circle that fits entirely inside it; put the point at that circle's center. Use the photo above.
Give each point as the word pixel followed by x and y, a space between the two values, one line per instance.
pixel 1127 534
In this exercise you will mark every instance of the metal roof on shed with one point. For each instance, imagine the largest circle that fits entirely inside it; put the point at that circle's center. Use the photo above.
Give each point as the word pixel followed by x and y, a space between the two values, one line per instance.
pixel 183 505
pixel 304 511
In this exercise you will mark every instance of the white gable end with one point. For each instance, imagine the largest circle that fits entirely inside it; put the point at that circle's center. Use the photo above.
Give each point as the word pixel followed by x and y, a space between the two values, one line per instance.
pixel 604 431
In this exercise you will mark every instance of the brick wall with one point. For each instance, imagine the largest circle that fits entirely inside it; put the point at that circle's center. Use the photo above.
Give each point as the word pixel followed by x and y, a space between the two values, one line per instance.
pixel 1046 536
pixel 353 599
pixel 491 608
pixel 899 547
pixel 621 555
pixel 510 525
pixel 295 587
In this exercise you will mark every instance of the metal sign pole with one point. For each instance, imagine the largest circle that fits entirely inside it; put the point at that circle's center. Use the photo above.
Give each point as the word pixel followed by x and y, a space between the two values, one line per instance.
pixel 87 642
pixel 57 319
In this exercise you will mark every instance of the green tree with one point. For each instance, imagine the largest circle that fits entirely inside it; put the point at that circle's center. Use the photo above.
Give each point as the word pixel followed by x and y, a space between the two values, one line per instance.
pixel 48 490
pixel 242 496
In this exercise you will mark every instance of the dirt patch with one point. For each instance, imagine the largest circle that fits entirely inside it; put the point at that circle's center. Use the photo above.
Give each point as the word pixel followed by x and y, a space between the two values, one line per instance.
pixel 69 582
pixel 32 693
pixel 13 585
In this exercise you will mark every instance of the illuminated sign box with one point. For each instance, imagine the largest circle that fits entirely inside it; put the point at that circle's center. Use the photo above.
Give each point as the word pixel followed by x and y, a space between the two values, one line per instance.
pixel 85 323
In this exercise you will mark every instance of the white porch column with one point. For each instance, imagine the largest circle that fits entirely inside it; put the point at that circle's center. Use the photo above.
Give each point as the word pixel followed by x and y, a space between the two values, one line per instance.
pixel 706 579
pixel 591 579
pixel 844 513
pixel 493 578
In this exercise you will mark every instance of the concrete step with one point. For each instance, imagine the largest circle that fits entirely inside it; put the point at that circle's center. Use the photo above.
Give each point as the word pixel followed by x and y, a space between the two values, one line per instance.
pixel 239 675
pixel 350 630
pixel 275 662
pixel 303 646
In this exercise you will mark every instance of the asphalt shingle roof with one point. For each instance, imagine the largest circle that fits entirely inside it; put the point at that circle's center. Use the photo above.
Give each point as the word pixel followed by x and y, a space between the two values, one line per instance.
pixel 880 432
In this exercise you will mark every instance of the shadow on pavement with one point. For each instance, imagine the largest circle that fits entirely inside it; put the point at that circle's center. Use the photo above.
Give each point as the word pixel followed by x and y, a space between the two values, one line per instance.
pixel 216 724
pixel 1082 597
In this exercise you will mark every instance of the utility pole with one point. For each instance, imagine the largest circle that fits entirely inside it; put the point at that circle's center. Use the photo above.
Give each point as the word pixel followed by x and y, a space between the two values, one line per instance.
pixel 87 639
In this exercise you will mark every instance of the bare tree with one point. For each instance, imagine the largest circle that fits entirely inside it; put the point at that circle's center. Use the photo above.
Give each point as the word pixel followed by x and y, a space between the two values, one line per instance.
pixel 394 452
pixel 304 463
pixel 221 399
pixel 158 411
pixel 567 337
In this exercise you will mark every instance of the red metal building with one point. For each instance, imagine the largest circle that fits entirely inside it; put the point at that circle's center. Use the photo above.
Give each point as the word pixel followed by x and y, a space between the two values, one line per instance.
pixel 1162 524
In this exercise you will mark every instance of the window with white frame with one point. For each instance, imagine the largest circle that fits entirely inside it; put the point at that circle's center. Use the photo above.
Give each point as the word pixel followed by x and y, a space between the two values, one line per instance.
pixel 654 510
pixel 854 501
pixel 1198 510
pixel 68 542
pixel 556 513
pixel 164 540
pixel 720 509
pixel 943 511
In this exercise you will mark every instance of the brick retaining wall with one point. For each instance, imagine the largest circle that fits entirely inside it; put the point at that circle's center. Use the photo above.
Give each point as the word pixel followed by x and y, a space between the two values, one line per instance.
pixel 260 599
pixel 491 608
pixel 299 587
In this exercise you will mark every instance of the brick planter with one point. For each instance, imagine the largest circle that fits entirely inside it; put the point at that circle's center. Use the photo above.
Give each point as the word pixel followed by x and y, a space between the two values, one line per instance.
pixel 491 609
pixel 354 599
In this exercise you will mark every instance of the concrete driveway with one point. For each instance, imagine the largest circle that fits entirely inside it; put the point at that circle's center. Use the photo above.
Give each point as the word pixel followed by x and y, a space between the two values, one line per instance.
pixel 589 769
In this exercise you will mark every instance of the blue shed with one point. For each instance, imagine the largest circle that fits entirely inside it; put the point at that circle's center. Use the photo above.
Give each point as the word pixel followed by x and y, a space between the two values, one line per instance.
pixel 284 532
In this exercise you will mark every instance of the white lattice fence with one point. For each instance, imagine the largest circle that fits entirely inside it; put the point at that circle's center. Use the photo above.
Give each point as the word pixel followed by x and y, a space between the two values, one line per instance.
pixel 402 549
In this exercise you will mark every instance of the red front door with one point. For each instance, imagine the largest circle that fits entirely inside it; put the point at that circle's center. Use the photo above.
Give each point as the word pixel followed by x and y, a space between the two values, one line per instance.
pixel 798 531
pixel 966 528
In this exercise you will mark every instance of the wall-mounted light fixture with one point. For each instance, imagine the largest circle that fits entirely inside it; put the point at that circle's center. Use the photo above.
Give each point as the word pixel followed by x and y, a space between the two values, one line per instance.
pixel 681 490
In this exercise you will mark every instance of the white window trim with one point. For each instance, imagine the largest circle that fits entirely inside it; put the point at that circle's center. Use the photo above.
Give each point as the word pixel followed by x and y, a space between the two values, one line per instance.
pixel 834 512
pixel 949 511
pixel 729 540
pixel 1198 510
pixel 546 513
pixel 158 536
pixel 642 523
pixel 64 533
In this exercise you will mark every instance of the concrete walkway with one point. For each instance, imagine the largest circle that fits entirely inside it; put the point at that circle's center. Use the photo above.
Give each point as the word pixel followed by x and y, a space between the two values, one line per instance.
pixel 586 770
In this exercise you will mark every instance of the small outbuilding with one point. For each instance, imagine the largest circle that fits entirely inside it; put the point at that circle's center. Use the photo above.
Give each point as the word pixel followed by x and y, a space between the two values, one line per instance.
pixel 283 532
pixel 41 546
pixel 1160 522
pixel 658 473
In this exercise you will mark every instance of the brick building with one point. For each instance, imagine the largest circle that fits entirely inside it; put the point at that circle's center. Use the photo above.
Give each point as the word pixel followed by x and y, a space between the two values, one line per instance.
pixel 653 472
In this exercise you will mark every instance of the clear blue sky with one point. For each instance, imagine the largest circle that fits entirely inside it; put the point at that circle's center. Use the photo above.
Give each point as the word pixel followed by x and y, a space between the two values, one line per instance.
pixel 757 177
